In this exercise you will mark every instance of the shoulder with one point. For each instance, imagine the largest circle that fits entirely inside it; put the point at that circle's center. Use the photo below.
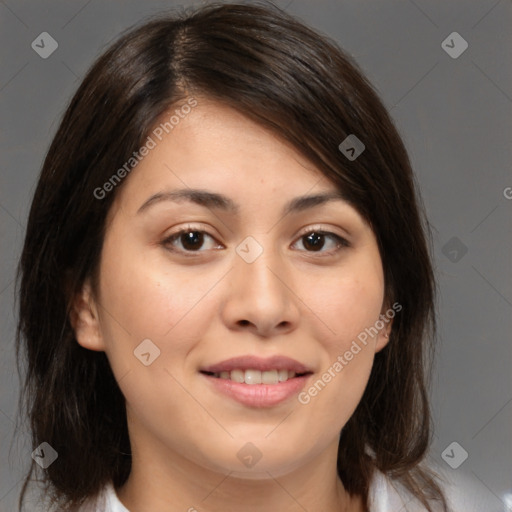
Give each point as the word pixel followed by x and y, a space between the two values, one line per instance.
pixel 459 489
pixel 112 502
pixel 105 501
pixel 466 493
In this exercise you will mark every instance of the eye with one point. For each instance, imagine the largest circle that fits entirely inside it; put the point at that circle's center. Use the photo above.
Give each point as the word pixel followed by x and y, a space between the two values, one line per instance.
pixel 190 240
pixel 194 240
pixel 322 241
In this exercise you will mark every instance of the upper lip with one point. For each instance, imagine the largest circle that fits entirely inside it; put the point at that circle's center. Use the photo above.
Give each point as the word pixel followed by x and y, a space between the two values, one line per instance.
pixel 257 363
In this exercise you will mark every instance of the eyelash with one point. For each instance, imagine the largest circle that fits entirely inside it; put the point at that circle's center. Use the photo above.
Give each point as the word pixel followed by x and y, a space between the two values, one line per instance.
pixel 341 242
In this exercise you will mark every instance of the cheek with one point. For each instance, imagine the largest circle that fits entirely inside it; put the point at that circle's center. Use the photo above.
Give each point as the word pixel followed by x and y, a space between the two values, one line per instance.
pixel 348 308
pixel 348 305
pixel 143 300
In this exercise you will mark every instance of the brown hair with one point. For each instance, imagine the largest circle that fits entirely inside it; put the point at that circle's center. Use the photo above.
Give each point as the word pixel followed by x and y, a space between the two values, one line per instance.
pixel 272 68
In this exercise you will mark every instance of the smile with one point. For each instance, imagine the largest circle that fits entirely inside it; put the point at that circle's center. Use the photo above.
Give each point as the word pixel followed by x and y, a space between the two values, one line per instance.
pixel 257 382
pixel 256 376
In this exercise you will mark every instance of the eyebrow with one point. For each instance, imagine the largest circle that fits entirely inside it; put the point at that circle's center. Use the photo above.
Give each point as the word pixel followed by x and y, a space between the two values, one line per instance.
pixel 218 201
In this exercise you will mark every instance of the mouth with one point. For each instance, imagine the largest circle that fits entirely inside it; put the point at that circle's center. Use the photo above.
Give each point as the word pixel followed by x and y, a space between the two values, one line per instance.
pixel 257 382
pixel 252 376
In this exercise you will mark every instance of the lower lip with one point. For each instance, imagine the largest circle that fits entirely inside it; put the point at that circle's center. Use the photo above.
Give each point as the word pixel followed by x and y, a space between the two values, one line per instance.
pixel 259 395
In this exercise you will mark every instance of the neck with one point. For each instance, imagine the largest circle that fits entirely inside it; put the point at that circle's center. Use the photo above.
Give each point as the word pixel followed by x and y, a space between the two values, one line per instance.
pixel 168 483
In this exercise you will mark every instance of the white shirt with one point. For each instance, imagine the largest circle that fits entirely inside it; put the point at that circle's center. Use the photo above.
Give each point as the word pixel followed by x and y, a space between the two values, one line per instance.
pixel 385 496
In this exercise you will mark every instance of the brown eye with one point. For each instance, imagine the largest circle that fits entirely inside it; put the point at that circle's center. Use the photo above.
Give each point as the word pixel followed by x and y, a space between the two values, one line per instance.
pixel 314 241
pixel 190 241
pixel 322 242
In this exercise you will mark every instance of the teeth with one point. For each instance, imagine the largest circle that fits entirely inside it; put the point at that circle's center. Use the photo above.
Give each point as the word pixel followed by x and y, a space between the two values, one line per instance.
pixel 282 375
pixel 270 377
pixel 236 375
pixel 257 376
pixel 252 377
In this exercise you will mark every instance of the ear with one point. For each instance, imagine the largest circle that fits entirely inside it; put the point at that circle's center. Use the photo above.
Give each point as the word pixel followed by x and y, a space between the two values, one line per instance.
pixel 84 319
pixel 382 338
pixel 382 341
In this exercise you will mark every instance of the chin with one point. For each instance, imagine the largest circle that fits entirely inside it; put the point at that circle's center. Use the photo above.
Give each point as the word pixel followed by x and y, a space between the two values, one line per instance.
pixel 252 463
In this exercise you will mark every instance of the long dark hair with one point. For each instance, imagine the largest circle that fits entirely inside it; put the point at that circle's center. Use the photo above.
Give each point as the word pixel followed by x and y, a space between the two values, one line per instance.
pixel 272 68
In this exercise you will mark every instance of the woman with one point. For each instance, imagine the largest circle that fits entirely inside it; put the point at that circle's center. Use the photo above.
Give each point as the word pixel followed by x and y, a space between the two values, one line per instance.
pixel 238 297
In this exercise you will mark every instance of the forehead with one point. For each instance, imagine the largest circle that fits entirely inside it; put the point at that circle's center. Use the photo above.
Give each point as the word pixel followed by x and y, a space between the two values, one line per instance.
pixel 214 147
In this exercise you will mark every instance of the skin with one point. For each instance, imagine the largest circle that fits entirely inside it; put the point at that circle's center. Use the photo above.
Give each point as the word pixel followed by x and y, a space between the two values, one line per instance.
pixel 213 305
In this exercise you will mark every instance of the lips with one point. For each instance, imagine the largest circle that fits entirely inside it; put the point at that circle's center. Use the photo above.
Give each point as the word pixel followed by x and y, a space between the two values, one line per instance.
pixel 258 363
pixel 258 382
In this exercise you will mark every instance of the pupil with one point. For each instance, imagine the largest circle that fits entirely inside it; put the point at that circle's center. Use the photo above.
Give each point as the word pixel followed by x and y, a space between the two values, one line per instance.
pixel 192 240
pixel 315 241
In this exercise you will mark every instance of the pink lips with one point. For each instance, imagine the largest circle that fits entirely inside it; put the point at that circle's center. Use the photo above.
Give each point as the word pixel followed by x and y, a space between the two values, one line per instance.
pixel 258 395
pixel 257 363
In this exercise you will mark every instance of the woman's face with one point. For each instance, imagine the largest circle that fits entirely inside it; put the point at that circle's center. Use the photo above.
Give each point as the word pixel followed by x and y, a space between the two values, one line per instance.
pixel 273 273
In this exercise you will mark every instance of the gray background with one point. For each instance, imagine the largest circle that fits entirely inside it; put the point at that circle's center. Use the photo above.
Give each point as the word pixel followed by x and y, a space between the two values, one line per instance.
pixel 454 115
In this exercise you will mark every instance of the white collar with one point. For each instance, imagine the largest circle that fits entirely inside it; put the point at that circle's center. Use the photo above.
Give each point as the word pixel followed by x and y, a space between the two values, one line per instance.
pixel 385 495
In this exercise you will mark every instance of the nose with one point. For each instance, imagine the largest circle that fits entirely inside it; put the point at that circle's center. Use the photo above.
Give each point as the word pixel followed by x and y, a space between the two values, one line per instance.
pixel 261 298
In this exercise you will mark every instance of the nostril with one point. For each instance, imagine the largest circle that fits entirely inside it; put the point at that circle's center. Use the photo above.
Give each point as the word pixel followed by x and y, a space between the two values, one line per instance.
pixel 244 322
